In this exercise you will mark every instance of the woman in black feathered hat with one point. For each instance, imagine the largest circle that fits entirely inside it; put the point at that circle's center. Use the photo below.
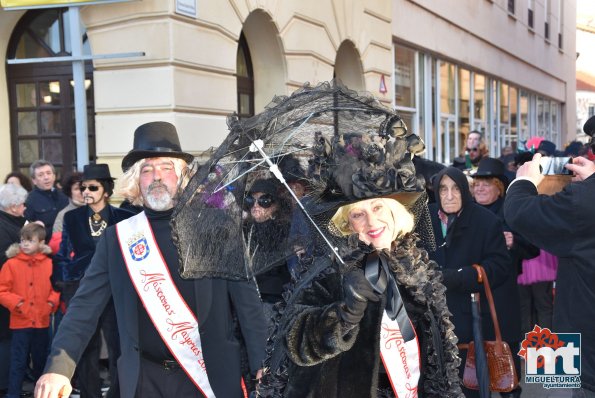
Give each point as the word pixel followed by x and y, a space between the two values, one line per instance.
pixel 344 314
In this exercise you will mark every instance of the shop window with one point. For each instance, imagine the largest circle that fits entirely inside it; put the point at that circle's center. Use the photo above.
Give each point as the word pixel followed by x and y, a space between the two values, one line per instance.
pixel 464 83
pixel 514 118
pixel 404 77
pixel 479 102
pixel 524 125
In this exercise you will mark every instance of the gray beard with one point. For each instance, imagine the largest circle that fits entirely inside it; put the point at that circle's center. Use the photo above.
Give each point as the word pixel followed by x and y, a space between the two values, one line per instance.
pixel 160 203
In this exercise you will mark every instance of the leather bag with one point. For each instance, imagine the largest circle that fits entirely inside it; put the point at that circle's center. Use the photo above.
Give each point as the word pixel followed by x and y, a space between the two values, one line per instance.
pixel 503 375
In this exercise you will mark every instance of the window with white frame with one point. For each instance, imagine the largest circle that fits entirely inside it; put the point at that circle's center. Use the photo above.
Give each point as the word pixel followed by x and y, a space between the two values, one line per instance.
pixel 465 106
pixel 405 78
pixel 443 101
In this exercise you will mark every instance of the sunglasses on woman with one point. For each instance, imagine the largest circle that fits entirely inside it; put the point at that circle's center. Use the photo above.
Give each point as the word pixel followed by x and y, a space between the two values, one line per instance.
pixel 265 201
pixel 92 188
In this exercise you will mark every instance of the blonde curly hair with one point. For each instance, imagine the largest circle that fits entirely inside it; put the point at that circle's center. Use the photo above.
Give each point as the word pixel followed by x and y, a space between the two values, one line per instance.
pixel 128 185
pixel 403 219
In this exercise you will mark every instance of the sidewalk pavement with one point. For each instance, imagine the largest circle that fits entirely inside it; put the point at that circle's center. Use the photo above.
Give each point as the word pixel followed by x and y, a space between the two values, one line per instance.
pixel 535 390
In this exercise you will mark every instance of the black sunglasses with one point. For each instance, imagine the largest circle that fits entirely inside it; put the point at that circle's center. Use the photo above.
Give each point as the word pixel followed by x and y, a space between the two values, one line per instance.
pixel 471 149
pixel 92 188
pixel 265 201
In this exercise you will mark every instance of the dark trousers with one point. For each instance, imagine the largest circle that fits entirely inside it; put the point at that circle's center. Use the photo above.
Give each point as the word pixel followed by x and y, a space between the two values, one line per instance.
pixel 89 380
pixel 4 362
pixel 537 305
pixel 157 382
pixel 26 342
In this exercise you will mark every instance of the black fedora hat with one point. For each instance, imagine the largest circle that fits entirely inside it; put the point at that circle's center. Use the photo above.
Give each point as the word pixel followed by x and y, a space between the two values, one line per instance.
pixel 96 172
pixel 589 127
pixel 491 167
pixel 155 139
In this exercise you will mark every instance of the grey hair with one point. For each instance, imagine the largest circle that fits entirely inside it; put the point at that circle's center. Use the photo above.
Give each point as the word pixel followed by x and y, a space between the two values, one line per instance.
pixel 11 195
pixel 40 163
pixel 128 185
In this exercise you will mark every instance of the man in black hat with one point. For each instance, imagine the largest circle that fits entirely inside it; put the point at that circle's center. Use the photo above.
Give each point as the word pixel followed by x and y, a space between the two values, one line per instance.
pixel 81 231
pixel 176 335
pixel 563 224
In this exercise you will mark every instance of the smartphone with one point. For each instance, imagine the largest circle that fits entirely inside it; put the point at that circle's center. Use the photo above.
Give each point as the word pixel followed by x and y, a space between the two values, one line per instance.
pixel 555 165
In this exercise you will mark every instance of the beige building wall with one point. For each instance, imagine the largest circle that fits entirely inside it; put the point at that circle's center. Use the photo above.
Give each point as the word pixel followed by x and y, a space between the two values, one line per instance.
pixel 187 75
pixel 483 36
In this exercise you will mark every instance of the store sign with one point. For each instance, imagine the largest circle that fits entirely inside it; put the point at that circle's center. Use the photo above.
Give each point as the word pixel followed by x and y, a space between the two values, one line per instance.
pixel 186 7
pixel 29 4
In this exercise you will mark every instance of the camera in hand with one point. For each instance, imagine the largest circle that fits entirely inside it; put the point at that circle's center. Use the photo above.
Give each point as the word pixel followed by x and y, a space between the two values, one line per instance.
pixel 554 165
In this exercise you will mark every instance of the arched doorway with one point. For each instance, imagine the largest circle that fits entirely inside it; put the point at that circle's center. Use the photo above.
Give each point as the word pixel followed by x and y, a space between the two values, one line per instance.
pixel 245 79
pixel 41 95
pixel 348 66
pixel 266 55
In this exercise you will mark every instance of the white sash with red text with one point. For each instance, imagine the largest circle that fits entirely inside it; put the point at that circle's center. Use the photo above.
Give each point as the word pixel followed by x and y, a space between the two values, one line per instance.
pixel 168 311
pixel 400 358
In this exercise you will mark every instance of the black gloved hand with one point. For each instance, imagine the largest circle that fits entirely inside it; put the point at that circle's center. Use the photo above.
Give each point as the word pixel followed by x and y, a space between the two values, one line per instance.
pixel 451 278
pixel 357 292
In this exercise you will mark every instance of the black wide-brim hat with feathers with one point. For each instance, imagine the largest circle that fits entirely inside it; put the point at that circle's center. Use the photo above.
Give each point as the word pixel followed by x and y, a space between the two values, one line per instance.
pixel 153 140
pixel 348 145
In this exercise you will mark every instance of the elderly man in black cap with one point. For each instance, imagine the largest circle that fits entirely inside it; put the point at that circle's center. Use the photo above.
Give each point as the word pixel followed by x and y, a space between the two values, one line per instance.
pixel 563 224
pixel 176 335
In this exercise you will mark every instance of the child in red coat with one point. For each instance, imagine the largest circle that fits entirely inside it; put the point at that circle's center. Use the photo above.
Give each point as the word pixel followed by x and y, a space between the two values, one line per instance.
pixel 26 290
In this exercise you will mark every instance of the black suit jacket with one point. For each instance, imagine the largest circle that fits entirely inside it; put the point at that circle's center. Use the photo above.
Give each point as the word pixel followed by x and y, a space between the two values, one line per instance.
pixel 107 275
pixel 564 225
pixel 78 246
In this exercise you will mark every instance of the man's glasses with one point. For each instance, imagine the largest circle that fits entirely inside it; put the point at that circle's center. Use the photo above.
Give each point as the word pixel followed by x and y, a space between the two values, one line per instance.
pixel 265 201
pixel 92 188
pixel 472 149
